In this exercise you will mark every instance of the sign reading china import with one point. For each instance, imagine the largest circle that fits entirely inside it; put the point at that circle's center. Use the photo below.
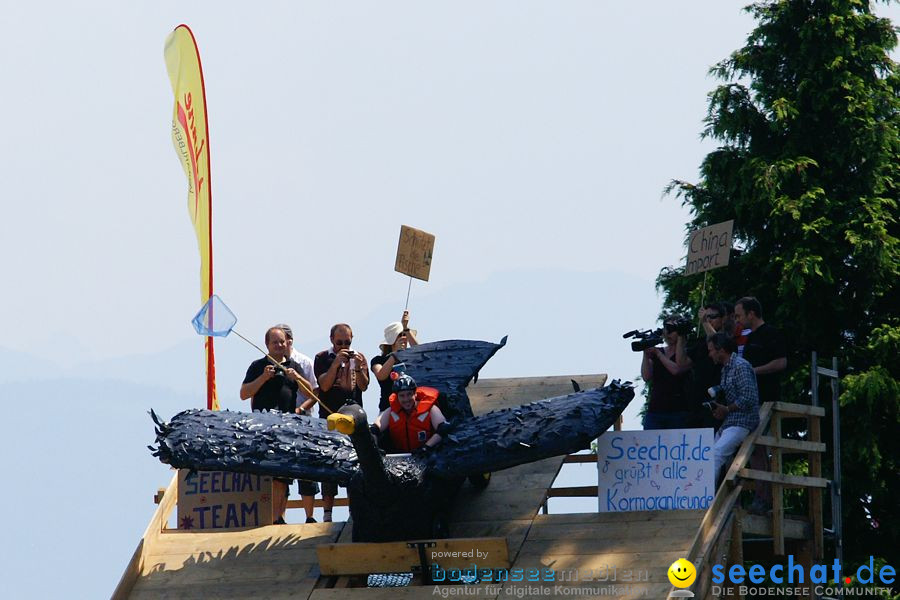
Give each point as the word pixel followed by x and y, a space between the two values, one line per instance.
pixel 414 253
pixel 709 248
pixel 664 469
pixel 223 500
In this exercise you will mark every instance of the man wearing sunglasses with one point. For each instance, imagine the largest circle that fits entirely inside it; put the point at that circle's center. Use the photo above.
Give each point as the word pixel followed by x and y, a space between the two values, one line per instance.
pixel 343 376
pixel 704 372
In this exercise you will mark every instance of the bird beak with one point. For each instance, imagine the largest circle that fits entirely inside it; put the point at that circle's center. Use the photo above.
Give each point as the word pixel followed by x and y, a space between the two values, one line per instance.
pixel 342 423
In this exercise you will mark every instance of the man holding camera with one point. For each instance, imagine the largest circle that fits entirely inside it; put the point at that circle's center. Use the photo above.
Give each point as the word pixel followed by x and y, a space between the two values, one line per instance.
pixel 343 376
pixel 667 407
pixel 737 399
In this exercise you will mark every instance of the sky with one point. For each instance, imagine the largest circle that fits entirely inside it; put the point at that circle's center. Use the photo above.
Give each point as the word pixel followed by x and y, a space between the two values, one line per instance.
pixel 533 139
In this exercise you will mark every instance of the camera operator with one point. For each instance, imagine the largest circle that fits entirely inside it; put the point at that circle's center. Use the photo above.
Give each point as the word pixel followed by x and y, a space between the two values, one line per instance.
pixel 704 372
pixel 343 376
pixel 737 399
pixel 668 407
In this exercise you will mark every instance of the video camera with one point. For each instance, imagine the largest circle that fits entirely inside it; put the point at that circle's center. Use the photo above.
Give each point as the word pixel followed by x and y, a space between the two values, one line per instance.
pixel 644 339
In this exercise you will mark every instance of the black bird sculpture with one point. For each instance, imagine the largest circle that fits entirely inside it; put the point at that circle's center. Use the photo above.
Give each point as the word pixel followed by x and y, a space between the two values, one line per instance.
pixel 404 496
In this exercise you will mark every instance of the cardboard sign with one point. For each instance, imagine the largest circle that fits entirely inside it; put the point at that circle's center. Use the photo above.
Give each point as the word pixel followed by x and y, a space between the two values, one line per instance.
pixel 414 252
pixel 223 500
pixel 665 469
pixel 709 248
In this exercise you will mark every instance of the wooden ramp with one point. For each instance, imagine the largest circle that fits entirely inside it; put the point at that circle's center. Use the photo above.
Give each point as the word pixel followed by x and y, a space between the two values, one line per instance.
pixel 618 556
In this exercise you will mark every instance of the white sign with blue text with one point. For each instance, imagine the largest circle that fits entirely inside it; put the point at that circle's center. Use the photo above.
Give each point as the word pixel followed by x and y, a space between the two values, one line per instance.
pixel 664 469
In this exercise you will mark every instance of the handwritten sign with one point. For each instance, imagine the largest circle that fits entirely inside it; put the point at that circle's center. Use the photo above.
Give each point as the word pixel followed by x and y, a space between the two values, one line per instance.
pixel 709 248
pixel 414 252
pixel 223 500
pixel 665 469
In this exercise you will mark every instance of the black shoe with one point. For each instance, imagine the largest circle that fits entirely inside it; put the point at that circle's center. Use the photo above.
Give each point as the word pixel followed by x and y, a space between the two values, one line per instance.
pixel 310 520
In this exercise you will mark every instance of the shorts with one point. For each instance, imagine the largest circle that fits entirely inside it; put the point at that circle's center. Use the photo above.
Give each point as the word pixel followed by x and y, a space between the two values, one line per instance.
pixel 329 489
pixel 307 488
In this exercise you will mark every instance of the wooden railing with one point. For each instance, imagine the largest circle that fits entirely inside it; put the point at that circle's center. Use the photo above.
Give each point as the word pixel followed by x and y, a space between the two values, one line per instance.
pixel 720 533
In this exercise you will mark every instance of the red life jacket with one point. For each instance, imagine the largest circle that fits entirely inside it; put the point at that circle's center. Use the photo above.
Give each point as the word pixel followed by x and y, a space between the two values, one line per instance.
pixel 410 431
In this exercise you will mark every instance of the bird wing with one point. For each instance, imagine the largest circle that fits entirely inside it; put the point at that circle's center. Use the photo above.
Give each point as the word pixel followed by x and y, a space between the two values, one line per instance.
pixel 265 443
pixel 513 436
pixel 449 366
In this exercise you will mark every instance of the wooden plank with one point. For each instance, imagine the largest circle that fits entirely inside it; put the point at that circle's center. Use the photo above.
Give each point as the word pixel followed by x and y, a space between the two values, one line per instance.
pixel 514 531
pixel 736 545
pixel 228 591
pixel 398 557
pixel 580 458
pixel 815 495
pixel 513 480
pixel 777 492
pixel 591 519
pixel 247 557
pixel 618 551
pixel 227 571
pixel 487 505
pixel 633 530
pixel 581 491
pixel 782 479
pixel 759 525
pixel 719 521
pixel 271 537
pixel 799 409
pixel 557 382
pixel 154 528
pixel 428 592
pixel 788 444
pixel 746 449
pixel 319 503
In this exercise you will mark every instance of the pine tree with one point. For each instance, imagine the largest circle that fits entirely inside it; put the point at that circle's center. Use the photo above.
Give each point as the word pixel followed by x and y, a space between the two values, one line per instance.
pixel 808 166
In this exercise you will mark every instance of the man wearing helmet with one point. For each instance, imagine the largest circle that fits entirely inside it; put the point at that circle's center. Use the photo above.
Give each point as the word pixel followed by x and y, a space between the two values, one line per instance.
pixel 413 419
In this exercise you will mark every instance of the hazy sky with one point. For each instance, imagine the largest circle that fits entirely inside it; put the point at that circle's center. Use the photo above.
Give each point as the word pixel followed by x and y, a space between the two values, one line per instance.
pixel 533 139
pixel 522 134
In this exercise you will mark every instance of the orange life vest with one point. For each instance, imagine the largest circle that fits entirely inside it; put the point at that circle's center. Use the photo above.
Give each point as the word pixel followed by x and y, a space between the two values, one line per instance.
pixel 410 431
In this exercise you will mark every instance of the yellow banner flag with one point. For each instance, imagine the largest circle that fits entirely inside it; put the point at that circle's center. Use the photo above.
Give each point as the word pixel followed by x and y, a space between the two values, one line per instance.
pixel 190 134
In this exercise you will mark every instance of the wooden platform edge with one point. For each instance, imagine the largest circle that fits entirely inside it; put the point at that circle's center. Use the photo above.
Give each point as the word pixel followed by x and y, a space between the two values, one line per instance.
pixel 362 558
pixel 152 533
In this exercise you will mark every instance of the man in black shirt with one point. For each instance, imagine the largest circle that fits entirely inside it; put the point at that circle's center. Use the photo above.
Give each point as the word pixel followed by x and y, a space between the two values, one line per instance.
pixel 765 348
pixel 704 372
pixel 275 388
pixel 343 376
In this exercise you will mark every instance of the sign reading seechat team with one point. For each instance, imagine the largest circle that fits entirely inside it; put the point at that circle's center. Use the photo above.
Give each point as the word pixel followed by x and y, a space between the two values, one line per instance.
pixel 655 470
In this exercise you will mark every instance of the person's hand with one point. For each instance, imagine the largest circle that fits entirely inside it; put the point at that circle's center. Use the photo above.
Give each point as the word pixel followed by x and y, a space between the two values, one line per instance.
pixel 404 320
pixel 361 361
pixel 292 374
pixel 720 412
pixel 651 352
pixel 702 314
pixel 342 357
pixel 269 372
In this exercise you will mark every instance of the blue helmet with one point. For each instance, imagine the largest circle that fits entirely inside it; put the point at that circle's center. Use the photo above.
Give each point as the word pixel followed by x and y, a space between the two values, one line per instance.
pixel 404 382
